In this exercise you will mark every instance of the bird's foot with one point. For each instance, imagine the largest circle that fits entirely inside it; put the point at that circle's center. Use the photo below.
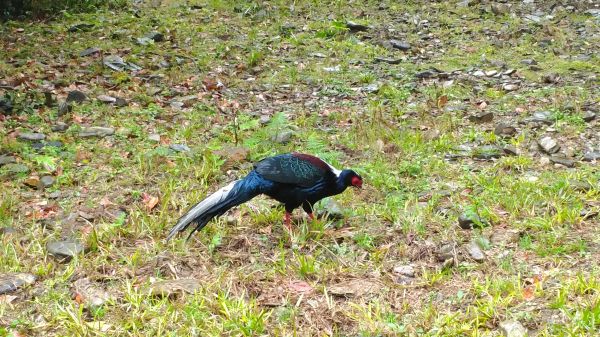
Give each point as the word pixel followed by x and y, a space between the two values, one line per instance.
pixel 288 221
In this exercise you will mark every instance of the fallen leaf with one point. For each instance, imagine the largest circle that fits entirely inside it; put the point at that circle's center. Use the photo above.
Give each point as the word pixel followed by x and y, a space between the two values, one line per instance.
pixel 300 287
pixel 149 201
pixel 442 101
pixel 528 292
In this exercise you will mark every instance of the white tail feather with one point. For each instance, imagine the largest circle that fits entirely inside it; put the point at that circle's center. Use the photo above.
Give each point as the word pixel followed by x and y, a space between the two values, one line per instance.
pixel 202 207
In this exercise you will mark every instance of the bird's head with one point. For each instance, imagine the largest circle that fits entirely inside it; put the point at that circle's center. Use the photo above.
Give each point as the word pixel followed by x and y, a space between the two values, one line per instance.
pixel 351 178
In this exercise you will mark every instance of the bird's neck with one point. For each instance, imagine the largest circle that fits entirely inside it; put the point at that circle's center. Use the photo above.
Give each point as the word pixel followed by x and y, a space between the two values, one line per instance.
pixel 339 185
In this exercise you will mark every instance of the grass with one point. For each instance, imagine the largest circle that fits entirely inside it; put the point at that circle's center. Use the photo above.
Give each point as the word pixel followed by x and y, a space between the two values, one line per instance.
pixel 256 277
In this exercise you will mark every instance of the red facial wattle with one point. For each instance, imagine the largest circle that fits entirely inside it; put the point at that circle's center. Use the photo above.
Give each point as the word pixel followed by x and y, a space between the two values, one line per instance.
pixel 356 182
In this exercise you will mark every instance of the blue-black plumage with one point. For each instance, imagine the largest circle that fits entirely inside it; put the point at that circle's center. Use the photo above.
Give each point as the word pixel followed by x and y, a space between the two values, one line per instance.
pixel 294 179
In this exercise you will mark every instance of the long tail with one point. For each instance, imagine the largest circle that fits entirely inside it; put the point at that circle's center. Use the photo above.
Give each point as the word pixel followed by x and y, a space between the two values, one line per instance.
pixel 236 193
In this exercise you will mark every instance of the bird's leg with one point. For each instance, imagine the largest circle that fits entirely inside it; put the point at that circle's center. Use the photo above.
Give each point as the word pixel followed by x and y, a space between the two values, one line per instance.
pixel 311 215
pixel 288 220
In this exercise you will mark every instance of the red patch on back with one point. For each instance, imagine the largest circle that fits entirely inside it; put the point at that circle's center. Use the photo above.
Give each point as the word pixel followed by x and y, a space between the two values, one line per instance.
pixel 313 160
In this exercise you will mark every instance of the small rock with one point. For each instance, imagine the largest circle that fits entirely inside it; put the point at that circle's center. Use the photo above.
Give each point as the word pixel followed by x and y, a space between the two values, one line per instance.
pixel 47 181
pixel 121 102
pixel 283 137
pixel 155 137
pixel 387 60
pixel 64 250
pixel 430 73
pixel 334 69
pixel 59 127
pixel 372 88
pixel 479 73
pixel 499 8
pixel 331 210
pixel 591 156
pixel 529 62
pixel 92 295
pixel 541 117
pixel 54 195
pixel 401 45
pixel 356 287
pixel 510 87
pixel 173 288
pixel 510 150
pixel 470 220
pixel 578 185
pixel 106 99
pixel 179 148
pixel 551 78
pixel 482 117
pixel 64 108
pixel 562 161
pixel 588 116
pixel 505 130
pixel 15 168
pixel 490 73
pixel 7 230
pixel 89 51
pixel 54 143
pixel 10 282
pixel 356 27
pixel 549 145
pixel 4 159
pixel 405 270
pixel 504 237
pixel 513 329
pixel 487 152
pixel 31 136
pixel 446 252
pixel 264 119
pixel 76 96
pixel 96 131
pixel 80 27
pixel 156 36
pixel 475 252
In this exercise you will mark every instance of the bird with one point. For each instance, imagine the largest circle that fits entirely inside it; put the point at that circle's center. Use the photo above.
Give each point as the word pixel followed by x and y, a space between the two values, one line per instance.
pixel 294 179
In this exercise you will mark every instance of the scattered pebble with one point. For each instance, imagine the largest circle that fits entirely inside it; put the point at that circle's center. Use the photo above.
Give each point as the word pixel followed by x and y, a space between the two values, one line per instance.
pixel 91 294
pixel 76 96
pixel 31 136
pixel 510 87
pixel 589 116
pixel 482 117
pixel 505 130
pixel 33 182
pixel 405 270
pixel 549 145
pixel 15 168
pixel 591 156
pixel 106 99
pixel 89 51
pixel 355 287
pixel 356 27
pixel 96 131
pixel 64 250
pixel 401 45
pixel 10 282
pixel 155 137
pixel 283 137
pixel 47 181
pixel 180 148
pixel 562 161
pixel 173 288
pixel 4 159
pixel 475 252
pixel 513 329
pixel 446 252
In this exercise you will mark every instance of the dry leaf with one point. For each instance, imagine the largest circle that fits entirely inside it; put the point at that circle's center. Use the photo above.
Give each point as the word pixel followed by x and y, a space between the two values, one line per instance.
pixel 528 292
pixel 442 101
pixel 149 201
pixel 300 287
